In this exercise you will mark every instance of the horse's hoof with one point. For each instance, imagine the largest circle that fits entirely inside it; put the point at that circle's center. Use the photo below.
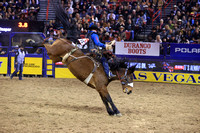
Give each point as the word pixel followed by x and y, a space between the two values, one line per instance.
pixel 118 115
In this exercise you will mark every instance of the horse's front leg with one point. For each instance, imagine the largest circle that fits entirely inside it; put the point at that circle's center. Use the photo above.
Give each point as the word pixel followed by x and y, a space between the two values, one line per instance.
pixel 105 101
pixel 116 111
pixel 105 96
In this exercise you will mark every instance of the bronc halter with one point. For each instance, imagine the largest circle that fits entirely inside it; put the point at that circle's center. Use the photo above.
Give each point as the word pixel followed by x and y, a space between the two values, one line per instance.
pixel 124 81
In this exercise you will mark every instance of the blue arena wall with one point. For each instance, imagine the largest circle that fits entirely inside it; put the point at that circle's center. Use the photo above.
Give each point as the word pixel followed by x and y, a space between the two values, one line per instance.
pixel 179 63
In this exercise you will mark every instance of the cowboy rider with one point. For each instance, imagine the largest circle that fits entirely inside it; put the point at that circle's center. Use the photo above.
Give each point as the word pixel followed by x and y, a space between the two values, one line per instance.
pixel 95 44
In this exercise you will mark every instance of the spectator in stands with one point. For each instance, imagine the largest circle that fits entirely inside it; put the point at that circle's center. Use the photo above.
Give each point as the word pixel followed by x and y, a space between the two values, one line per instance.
pixel 180 25
pixel 163 33
pixel 175 9
pixel 32 16
pixel 11 5
pixel 111 15
pixel 122 33
pixel 92 8
pixel 106 37
pixel 150 39
pixel 51 37
pixel 9 11
pixel 184 21
pixel 19 4
pixel 35 5
pixel 167 28
pixel 158 29
pixel 115 36
pixel 83 13
pixel 189 35
pixel 172 39
pixel 161 25
pixel 196 36
pixel 153 33
pixel 120 22
pixel 196 24
pixel 138 24
pixel 13 16
pixel 69 9
pixel 77 18
pixel 158 39
pixel 144 18
pixel 128 25
pixel 184 40
pixel 133 14
pixel 171 25
pixel 176 29
pixel 169 34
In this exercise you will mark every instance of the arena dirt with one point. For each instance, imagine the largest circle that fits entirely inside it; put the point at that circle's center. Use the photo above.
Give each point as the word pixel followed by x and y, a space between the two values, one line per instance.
pixel 47 105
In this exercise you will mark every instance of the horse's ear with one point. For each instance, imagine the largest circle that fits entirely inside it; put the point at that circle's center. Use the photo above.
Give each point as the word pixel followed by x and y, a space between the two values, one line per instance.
pixel 132 69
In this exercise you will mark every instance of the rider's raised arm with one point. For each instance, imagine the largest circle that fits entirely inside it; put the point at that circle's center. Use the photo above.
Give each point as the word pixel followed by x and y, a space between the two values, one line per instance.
pixel 95 38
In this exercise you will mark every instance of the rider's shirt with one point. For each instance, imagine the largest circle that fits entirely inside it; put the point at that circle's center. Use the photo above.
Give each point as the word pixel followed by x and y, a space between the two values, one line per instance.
pixel 94 42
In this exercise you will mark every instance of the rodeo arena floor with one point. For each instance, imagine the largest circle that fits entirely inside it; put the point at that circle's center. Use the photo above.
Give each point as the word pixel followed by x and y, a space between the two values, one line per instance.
pixel 43 105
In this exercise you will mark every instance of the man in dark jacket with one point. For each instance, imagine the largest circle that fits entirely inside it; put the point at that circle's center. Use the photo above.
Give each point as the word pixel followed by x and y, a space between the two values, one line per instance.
pixel 19 62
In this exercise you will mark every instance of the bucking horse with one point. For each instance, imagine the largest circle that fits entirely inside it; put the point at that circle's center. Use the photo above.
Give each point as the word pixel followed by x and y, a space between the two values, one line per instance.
pixel 88 70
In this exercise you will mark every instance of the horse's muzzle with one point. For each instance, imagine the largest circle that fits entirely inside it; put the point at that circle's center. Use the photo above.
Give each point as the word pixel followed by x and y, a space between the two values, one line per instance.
pixel 127 91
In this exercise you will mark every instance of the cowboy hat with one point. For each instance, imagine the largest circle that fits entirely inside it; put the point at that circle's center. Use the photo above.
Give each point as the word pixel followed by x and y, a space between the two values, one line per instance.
pixel 93 27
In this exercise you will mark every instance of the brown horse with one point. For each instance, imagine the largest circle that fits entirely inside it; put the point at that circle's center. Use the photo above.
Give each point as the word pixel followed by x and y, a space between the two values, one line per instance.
pixel 89 71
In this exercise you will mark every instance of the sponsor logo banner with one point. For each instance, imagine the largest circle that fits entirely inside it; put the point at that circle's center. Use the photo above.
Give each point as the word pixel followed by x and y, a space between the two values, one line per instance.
pixel 63 73
pixel 185 50
pixel 137 48
pixel 167 77
pixel 32 66
pixel 3 65
pixel 167 66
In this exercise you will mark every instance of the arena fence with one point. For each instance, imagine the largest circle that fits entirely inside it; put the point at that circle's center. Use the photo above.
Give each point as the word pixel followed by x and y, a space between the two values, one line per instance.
pixel 172 63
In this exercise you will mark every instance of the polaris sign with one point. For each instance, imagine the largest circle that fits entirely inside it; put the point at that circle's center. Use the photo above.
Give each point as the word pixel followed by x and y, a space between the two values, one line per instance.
pixel 192 51
pixel 187 50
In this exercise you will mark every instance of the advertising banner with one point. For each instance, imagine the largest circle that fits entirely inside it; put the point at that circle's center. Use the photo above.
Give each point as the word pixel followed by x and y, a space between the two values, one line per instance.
pixel 166 77
pixel 167 66
pixel 32 66
pixel 3 65
pixel 137 48
pixel 63 73
pixel 185 50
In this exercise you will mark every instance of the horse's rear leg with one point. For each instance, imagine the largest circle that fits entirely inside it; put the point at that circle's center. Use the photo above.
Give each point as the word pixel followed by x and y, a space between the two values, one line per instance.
pixel 105 96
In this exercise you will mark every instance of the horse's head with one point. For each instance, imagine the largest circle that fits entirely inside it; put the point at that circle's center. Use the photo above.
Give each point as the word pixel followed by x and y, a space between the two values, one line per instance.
pixel 127 80
pixel 58 49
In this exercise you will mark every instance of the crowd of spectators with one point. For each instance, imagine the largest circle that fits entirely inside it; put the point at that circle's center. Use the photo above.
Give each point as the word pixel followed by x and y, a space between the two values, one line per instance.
pixel 181 26
pixel 19 9
pixel 114 18
pixel 117 18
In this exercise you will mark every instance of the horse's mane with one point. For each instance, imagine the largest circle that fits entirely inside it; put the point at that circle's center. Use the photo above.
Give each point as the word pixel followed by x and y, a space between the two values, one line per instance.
pixel 118 63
